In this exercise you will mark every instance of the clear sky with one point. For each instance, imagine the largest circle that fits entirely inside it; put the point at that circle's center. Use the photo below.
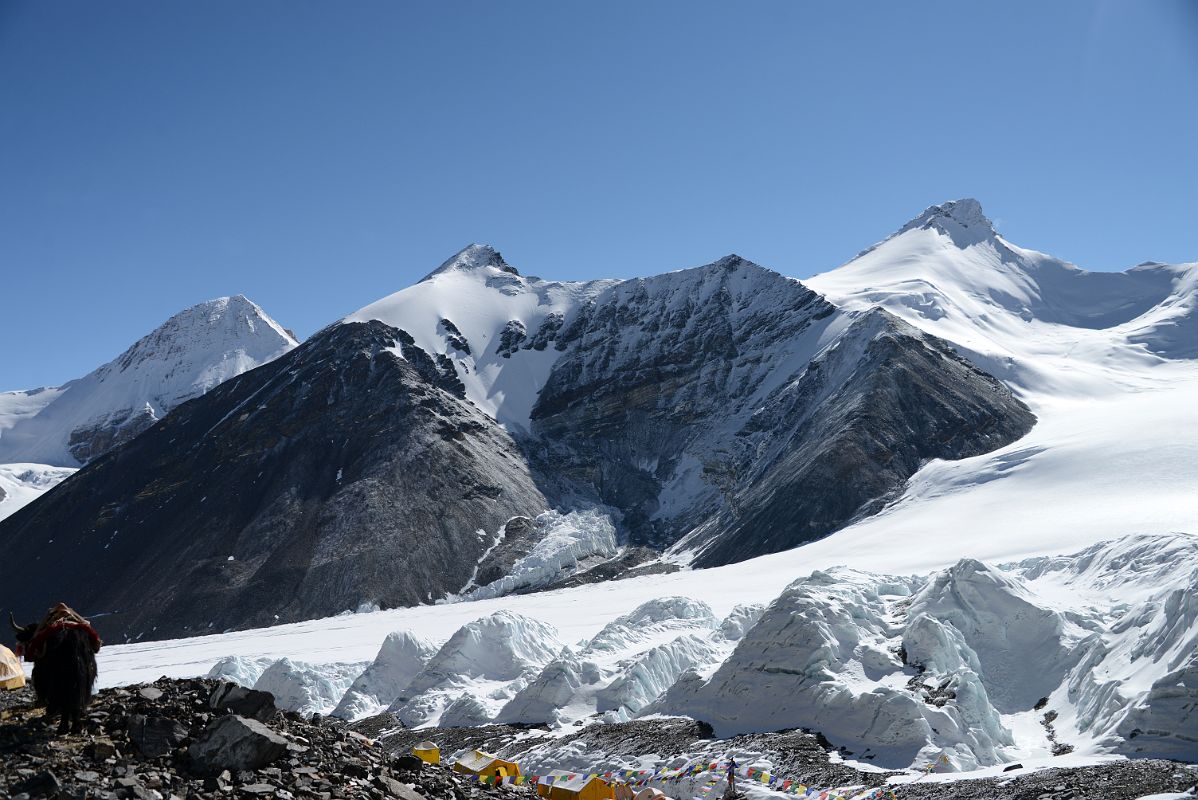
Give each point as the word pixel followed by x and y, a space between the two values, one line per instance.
pixel 317 156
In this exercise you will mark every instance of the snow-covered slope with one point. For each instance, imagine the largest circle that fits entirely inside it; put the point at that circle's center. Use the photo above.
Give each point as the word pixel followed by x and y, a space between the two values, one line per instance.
pixel 184 357
pixel 1105 360
pixel 21 484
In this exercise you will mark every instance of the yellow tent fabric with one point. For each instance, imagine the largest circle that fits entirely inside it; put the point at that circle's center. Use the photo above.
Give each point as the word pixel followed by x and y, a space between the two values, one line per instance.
pixel 427 752
pixel 12 676
pixel 476 762
pixel 580 787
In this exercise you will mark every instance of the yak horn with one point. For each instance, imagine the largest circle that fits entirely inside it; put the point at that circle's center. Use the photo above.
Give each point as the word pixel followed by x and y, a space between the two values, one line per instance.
pixel 13 621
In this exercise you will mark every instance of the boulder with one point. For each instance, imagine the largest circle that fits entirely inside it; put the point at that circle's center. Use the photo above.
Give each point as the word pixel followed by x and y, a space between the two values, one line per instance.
pixel 244 702
pixel 155 737
pixel 407 763
pixel 235 743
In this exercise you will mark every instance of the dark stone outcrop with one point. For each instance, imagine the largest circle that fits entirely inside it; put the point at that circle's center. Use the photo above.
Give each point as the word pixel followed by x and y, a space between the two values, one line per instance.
pixel 89 441
pixel 837 449
pixel 155 737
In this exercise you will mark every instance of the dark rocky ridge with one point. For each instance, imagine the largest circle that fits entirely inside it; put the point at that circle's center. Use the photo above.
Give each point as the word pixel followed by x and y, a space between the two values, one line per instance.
pixel 89 441
pixel 839 447
pixel 335 475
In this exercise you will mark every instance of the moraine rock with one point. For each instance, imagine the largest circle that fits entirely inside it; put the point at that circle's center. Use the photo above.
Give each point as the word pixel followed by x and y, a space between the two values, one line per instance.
pixel 236 743
pixel 244 702
pixel 155 737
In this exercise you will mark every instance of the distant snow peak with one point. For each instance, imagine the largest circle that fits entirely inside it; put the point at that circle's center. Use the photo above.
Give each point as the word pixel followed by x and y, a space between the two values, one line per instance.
pixel 181 359
pixel 473 257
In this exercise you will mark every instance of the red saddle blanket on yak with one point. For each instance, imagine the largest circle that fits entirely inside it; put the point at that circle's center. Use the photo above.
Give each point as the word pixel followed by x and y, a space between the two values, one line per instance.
pixel 61 617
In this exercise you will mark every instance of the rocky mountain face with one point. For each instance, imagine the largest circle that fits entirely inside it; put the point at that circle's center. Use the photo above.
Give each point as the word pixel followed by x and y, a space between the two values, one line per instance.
pixel 352 470
pixel 738 404
pixel 725 411
pixel 186 356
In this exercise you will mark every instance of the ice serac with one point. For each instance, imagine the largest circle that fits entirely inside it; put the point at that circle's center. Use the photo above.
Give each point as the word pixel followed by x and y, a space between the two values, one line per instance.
pixel 485 662
pixel 1134 688
pixel 559 546
pixel 1001 622
pixel 183 358
pixel 349 470
pixel 307 688
pixel 650 675
pixel 399 660
pixel 824 655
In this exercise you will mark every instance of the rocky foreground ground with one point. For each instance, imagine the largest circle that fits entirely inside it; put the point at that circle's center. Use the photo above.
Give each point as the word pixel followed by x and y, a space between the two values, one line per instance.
pixel 198 739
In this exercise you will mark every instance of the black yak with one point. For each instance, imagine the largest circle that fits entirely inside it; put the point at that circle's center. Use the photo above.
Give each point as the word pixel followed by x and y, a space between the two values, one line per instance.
pixel 63 650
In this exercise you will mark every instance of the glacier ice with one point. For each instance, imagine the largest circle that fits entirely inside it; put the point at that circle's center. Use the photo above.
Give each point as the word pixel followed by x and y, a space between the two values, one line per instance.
pixel 497 651
pixel 307 688
pixel 399 660
pixel 563 541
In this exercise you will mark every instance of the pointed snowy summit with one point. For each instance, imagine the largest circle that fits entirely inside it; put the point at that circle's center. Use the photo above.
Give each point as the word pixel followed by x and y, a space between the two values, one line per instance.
pixel 961 220
pixel 473 257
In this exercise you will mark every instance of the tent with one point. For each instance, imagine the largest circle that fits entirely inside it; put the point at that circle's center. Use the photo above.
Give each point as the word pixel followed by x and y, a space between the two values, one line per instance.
pixel 12 675
pixel 427 752
pixel 649 793
pixel 622 790
pixel 476 762
pixel 559 785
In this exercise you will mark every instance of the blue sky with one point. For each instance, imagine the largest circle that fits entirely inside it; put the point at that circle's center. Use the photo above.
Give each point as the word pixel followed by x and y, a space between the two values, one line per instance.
pixel 317 156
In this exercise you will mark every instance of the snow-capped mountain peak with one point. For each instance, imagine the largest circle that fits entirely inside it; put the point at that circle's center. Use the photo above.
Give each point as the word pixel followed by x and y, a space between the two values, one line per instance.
pixel 495 326
pixel 473 257
pixel 184 357
pixel 962 222
pixel 954 217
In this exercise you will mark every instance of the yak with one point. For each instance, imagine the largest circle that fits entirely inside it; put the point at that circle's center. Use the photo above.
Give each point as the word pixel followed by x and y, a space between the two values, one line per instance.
pixel 63 650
